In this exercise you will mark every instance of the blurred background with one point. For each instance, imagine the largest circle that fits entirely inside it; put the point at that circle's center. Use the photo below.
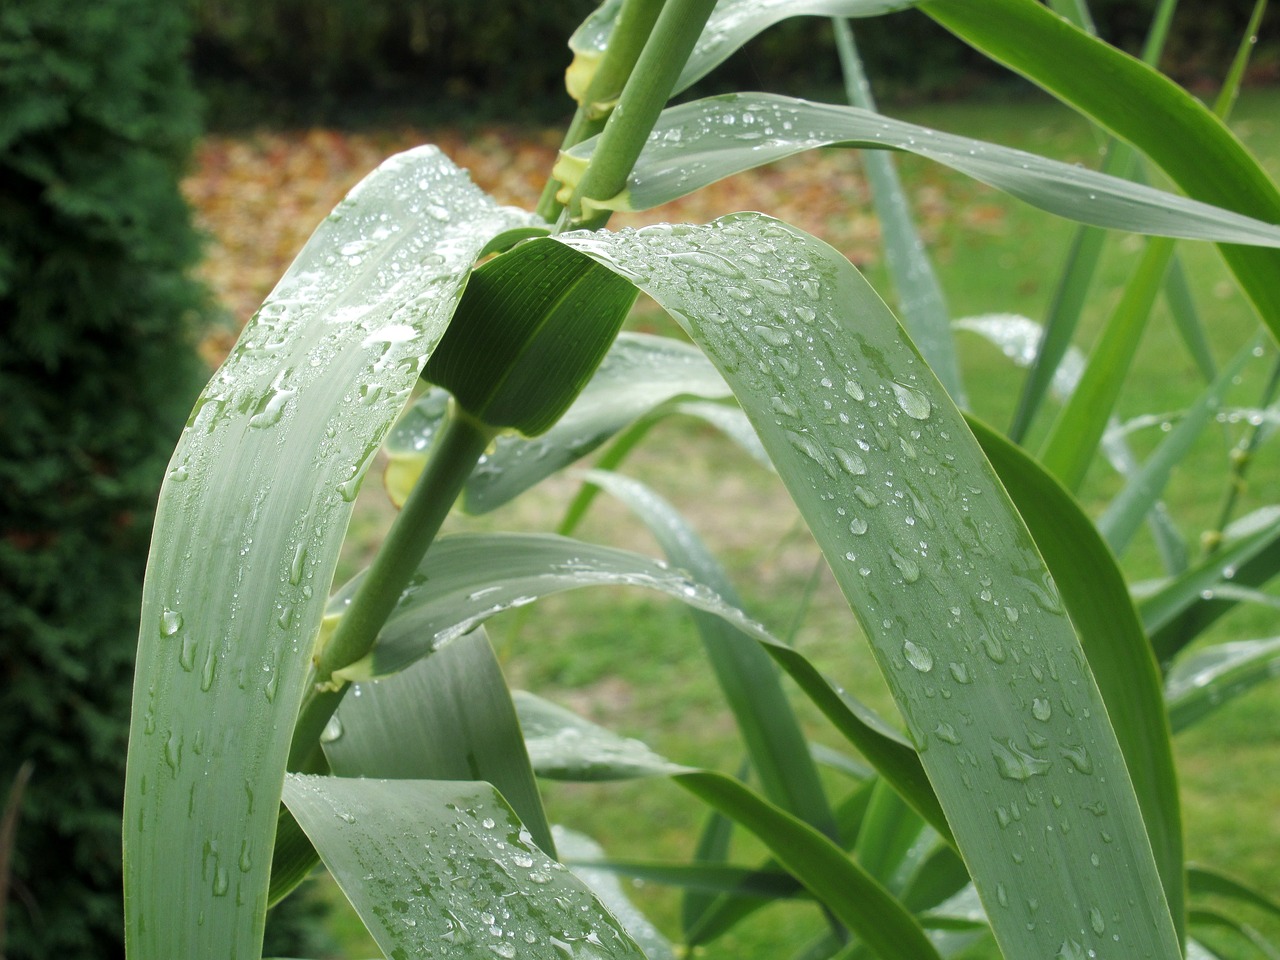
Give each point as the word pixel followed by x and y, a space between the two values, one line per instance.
pixel 160 165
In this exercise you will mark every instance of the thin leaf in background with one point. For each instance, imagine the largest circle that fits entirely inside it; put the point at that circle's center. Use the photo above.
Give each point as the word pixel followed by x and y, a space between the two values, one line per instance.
pixel 1204 681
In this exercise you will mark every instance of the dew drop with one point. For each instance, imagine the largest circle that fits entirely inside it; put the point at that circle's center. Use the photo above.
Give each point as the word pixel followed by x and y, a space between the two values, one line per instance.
pixel 913 403
pixel 857 526
pixel 947 733
pixel 854 390
pixel 1016 764
pixel 170 622
pixel 1041 709
pixel 908 567
pixel 851 463
pixel 959 671
pixel 1096 921
pixel 332 730
pixel 1078 757
pixel 772 335
pixel 918 656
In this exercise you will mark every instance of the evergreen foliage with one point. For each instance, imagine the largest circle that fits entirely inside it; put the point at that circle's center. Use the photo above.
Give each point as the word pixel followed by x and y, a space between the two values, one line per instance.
pixel 97 371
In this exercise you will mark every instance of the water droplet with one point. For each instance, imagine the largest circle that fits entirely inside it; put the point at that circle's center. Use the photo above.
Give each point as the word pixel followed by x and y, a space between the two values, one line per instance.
pixel 332 730
pixel 857 526
pixel 221 882
pixel 959 671
pixel 1096 921
pixel 868 498
pixel 908 567
pixel 918 656
pixel 487 823
pixel 504 949
pixel 1011 613
pixel 851 463
pixel 993 646
pixel 297 565
pixel 854 390
pixel 1016 764
pixel 1041 709
pixel 1071 950
pixel 170 622
pixel 913 403
pixel 947 733
pixel 772 335
pixel 1078 757
pixel 1002 895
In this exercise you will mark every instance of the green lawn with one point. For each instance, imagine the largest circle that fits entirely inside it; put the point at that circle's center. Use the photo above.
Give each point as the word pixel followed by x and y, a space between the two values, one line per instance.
pixel 634 663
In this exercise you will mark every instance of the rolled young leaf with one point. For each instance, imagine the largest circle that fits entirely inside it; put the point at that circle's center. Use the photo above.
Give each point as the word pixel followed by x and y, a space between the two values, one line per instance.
pixel 246 538
pixel 964 619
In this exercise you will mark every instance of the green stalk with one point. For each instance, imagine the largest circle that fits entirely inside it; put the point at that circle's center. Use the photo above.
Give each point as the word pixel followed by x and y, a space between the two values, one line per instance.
pixel 646 92
pixel 459 445
pixel 630 32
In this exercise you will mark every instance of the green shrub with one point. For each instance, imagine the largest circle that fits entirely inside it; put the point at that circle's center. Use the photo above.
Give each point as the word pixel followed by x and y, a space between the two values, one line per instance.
pixel 97 367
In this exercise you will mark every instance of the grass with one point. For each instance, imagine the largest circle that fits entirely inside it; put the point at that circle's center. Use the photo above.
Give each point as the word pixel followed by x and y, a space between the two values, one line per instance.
pixel 634 663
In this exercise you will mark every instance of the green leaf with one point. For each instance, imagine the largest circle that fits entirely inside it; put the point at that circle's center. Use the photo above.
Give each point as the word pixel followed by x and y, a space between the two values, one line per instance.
pixel 1201 683
pixel 1112 639
pixel 1073 440
pixel 1184 606
pixel 698 143
pixel 456 871
pixel 938 567
pixel 250 519
pixel 447 717
pixel 527 337
pixel 1120 521
pixel 475 577
pixel 748 678
pixel 890 829
pixel 638 376
pixel 1193 146
pixel 731 25
pixel 1203 881
pixel 851 894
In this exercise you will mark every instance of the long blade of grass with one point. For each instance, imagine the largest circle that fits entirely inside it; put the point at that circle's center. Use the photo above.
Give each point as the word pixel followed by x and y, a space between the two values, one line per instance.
pixel 474 577
pixel 1126 511
pixel 890 829
pixel 247 532
pixel 1185 606
pixel 1073 440
pixel 448 717
pixel 1191 144
pixel 639 374
pixel 851 893
pixel 939 569
pixel 697 143
pixel 418 837
pixel 748 678
pixel 1201 683
pixel 1204 881
pixel 921 303
pixel 1113 640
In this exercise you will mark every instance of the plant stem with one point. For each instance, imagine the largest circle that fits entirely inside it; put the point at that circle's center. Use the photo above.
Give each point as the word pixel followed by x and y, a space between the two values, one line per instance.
pixel 646 92
pixel 630 32
pixel 459 443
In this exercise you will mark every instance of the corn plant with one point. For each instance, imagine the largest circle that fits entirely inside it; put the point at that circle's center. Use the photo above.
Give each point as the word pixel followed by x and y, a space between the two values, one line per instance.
pixel 1022 803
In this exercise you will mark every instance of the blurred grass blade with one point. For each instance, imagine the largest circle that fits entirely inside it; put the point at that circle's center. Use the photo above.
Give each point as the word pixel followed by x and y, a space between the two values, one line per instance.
pixel 1073 440
pixel 585 854
pixel 1113 641
pixel 1177 295
pixel 247 533
pixel 708 877
pixel 448 717
pixel 747 676
pixel 638 374
pixel 1125 513
pixel 921 304
pixel 918 531
pixel 697 143
pixel 418 837
pixel 1206 917
pixel 1203 881
pixel 1182 608
pixel 890 829
pixel 852 895
pixel 1204 681
pixel 731 25
pixel 1191 144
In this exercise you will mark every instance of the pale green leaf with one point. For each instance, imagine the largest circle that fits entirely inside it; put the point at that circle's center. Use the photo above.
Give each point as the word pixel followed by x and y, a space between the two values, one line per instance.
pixel 250 519
pixel 1202 682
pixel 447 717
pixel 938 567
pixel 456 871
pixel 697 143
